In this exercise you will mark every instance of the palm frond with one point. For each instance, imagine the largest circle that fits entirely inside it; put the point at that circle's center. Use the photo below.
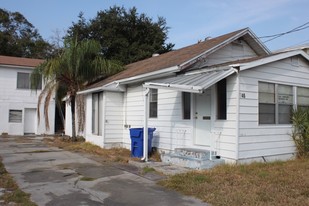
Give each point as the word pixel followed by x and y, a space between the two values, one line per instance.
pixel 79 62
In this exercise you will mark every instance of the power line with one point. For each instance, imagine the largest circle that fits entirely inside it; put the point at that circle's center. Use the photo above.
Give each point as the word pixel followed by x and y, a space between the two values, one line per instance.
pixel 275 36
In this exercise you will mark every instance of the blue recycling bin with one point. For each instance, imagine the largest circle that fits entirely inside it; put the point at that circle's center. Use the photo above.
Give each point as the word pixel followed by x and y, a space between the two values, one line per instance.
pixel 137 141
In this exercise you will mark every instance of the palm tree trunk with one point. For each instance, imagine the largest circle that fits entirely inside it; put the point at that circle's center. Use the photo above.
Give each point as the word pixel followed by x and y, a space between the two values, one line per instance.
pixel 73 117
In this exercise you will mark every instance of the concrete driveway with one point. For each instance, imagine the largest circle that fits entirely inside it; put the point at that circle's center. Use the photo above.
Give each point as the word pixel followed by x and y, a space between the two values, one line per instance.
pixel 57 177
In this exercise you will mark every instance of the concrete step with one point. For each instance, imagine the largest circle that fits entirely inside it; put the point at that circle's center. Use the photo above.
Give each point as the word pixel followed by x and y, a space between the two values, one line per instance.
pixel 191 158
pixel 192 152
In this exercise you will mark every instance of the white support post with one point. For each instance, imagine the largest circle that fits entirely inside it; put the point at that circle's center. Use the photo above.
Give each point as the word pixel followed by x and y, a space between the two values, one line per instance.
pixel 146 103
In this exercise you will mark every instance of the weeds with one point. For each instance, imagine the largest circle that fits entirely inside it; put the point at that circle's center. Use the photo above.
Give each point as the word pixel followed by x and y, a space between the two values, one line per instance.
pixel 12 194
pixel 147 170
pixel 111 155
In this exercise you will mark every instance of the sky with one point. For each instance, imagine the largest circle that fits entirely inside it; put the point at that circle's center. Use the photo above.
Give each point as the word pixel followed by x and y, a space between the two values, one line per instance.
pixel 189 21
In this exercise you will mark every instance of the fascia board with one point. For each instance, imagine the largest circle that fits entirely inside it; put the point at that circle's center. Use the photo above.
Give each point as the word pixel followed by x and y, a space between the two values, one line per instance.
pixel 273 58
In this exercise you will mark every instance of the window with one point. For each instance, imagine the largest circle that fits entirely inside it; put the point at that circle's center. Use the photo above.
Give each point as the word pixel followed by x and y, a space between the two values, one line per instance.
pixel 221 99
pixel 275 103
pixel 23 81
pixel 266 103
pixel 285 104
pixel 15 116
pixel 153 103
pixel 186 105
pixel 97 109
pixel 302 97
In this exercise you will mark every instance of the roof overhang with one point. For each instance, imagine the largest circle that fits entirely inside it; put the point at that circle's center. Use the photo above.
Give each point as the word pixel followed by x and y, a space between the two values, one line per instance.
pixel 17 66
pixel 272 58
pixel 112 87
pixel 191 82
pixel 119 85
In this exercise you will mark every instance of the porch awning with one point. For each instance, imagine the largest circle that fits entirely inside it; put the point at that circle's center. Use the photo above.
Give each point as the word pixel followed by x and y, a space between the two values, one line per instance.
pixel 191 82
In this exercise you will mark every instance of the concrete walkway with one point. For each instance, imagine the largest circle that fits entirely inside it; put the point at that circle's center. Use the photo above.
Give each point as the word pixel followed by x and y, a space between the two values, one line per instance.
pixel 57 177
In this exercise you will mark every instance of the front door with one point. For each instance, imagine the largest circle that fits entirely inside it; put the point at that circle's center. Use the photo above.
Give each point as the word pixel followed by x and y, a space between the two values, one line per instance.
pixel 203 118
pixel 29 121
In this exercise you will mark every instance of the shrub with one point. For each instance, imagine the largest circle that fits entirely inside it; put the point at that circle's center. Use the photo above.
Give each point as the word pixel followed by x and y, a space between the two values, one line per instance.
pixel 300 134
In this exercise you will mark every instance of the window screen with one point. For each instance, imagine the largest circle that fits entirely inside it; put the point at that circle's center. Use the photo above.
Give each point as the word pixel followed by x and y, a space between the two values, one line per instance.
pixel 275 103
pixel 267 105
pixel 186 105
pixel 97 113
pixel 302 97
pixel 221 99
pixel 153 103
pixel 23 80
pixel 15 116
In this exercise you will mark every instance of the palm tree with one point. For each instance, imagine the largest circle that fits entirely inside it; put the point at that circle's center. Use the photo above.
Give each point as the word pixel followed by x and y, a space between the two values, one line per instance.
pixel 79 63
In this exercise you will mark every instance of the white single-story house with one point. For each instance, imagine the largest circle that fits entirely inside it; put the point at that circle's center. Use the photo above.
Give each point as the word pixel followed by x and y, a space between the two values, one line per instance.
pixel 229 95
pixel 18 103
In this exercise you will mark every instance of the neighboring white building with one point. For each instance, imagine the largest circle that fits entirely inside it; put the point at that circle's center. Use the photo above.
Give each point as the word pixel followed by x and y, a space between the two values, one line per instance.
pixel 18 103
pixel 227 94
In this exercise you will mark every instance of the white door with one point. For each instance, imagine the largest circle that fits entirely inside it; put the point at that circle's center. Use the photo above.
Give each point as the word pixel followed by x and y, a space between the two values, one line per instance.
pixel 202 118
pixel 30 121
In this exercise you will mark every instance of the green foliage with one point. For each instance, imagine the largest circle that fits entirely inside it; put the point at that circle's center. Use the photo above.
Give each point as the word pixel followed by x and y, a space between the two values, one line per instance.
pixel 124 35
pixel 19 38
pixel 300 135
pixel 79 63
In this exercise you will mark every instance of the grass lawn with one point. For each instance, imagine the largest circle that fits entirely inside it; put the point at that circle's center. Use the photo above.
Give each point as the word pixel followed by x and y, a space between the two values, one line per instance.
pixel 11 193
pixel 278 183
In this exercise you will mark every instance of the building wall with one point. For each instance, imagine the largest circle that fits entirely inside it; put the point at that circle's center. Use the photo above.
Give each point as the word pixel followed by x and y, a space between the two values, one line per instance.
pixel 12 98
pixel 171 131
pixel 113 119
pixel 267 141
pixel 233 51
pixel 88 135
pixel 224 131
pixel 133 112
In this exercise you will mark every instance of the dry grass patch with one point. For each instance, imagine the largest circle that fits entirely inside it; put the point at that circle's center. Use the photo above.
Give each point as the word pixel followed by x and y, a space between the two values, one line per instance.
pixel 12 194
pixel 110 155
pixel 279 183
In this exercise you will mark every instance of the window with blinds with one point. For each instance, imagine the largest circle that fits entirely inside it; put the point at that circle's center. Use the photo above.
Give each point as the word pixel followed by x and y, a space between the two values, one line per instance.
pixel 15 116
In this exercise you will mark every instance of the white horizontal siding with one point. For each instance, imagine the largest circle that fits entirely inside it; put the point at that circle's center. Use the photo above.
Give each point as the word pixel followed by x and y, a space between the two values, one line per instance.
pixel 113 113
pixel 172 131
pixel 224 130
pixel 230 52
pixel 133 114
pixel 257 140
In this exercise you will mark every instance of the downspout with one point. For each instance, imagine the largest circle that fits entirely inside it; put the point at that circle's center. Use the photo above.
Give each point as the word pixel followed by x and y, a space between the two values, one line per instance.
pixel 146 103
pixel 237 69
